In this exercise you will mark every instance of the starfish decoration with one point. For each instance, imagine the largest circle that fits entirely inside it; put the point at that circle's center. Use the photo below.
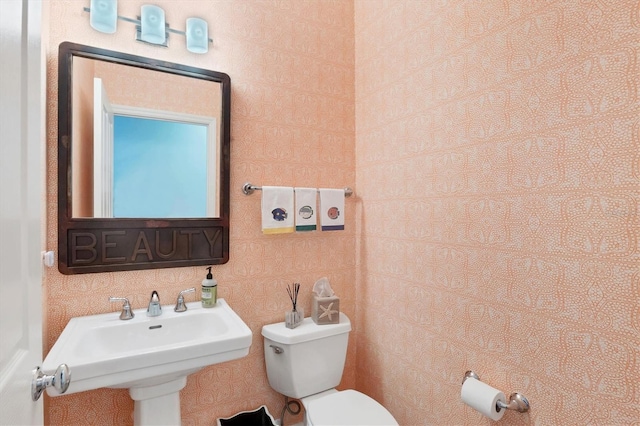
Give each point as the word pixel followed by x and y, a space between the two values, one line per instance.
pixel 327 312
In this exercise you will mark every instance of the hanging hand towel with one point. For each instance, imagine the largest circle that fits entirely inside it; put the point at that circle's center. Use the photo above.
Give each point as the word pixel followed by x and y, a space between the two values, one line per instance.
pixel 306 209
pixel 277 210
pixel 332 209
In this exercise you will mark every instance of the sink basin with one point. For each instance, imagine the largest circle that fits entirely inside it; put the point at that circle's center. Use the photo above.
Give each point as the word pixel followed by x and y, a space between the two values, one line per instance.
pixel 151 356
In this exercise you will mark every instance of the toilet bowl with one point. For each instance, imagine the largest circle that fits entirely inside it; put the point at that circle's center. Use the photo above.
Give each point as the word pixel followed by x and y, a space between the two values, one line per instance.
pixel 307 363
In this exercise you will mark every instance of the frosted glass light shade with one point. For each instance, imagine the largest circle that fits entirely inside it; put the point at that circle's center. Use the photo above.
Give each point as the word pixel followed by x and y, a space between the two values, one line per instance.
pixel 152 24
pixel 104 15
pixel 197 35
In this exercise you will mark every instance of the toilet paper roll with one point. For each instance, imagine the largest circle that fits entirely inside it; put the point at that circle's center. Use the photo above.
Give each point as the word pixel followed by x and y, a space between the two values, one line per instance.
pixel 482 397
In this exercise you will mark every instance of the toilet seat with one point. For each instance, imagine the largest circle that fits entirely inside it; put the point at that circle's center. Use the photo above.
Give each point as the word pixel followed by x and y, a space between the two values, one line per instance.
pixel 348 407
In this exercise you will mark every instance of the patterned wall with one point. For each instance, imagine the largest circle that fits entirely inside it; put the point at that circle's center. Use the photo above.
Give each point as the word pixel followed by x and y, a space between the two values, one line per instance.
pixel 291 67
pixel 498 165
pixel 497 177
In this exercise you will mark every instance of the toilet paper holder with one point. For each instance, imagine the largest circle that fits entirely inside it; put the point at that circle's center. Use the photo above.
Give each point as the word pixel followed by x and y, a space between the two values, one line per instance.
pixel 517 401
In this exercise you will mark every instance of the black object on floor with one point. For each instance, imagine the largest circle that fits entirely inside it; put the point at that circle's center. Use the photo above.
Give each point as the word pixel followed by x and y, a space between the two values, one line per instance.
pixel 259 417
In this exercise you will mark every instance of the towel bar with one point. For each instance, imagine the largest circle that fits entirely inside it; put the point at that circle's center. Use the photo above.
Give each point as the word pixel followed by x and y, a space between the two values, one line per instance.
pixel 248 189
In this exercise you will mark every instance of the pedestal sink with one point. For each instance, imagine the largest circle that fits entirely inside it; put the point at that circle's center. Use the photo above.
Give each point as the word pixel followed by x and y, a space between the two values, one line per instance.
pixel 151 356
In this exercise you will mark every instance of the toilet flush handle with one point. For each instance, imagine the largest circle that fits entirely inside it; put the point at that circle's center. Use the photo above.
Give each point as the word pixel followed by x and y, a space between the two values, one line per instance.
pixel 277 349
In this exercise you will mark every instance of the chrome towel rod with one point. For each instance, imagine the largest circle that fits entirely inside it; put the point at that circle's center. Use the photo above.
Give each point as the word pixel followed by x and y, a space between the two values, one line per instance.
pixel 248 189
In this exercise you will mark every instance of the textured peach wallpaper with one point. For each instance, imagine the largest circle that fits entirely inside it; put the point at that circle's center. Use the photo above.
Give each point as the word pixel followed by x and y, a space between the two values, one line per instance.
pixel 498 167
pixel 291 66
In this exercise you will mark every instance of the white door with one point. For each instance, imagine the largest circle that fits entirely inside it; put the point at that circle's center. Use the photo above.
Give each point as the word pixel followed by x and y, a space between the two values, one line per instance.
pixel 21 198
pixel 102 151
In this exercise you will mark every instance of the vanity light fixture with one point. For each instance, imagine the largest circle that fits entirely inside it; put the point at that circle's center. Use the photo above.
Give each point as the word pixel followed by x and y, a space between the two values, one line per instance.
pixel 197 35
pixel 104 15
pixel 151 26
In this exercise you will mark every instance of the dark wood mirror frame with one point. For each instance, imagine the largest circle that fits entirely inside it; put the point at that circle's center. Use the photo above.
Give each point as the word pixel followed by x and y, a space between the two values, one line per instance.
pixel 88 245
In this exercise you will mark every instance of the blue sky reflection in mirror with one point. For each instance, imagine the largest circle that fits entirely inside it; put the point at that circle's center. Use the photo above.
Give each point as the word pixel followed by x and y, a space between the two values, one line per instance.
pixel 151 158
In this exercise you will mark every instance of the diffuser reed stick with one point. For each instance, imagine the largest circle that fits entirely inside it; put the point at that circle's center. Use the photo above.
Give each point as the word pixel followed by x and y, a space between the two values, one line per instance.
pixel 293 294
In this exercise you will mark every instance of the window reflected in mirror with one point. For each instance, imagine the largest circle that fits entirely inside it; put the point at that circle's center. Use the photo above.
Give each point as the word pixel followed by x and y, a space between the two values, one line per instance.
pixel 150 158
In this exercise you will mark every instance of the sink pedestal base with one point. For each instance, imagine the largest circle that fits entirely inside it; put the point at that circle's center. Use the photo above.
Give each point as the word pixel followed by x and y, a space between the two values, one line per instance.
pixel 158 404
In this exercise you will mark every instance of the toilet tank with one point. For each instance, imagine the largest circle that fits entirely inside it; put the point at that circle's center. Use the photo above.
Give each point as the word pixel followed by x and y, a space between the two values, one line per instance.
pixel 307 359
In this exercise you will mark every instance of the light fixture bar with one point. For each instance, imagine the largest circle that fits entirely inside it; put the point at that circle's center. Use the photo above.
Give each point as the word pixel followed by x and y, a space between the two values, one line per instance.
pixel 166 38
pixel 138 23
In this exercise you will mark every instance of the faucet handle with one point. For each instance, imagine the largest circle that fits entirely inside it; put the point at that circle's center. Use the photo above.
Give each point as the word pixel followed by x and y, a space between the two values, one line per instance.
pixel 126 313
pixel 180 306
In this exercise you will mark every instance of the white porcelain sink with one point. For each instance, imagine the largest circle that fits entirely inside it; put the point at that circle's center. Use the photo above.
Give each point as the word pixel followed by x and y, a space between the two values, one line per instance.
pixel 152 356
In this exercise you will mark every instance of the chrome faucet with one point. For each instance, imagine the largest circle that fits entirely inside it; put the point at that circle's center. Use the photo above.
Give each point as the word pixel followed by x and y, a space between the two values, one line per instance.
pixel 154 309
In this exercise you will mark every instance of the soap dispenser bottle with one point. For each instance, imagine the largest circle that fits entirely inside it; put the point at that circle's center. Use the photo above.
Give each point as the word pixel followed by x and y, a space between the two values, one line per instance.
pixel 209 291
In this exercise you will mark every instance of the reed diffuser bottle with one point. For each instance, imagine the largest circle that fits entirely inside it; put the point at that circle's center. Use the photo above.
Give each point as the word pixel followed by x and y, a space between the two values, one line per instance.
pixel 295 316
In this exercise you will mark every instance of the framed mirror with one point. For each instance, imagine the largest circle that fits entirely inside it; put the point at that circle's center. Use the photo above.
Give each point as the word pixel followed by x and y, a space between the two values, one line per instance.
pixel 143 162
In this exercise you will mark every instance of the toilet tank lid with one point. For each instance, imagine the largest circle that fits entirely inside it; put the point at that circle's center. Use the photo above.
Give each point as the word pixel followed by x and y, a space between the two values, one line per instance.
pixel 306 331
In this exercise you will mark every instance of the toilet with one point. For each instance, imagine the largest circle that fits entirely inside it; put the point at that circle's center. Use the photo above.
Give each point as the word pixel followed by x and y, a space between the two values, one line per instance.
pixel 307 362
